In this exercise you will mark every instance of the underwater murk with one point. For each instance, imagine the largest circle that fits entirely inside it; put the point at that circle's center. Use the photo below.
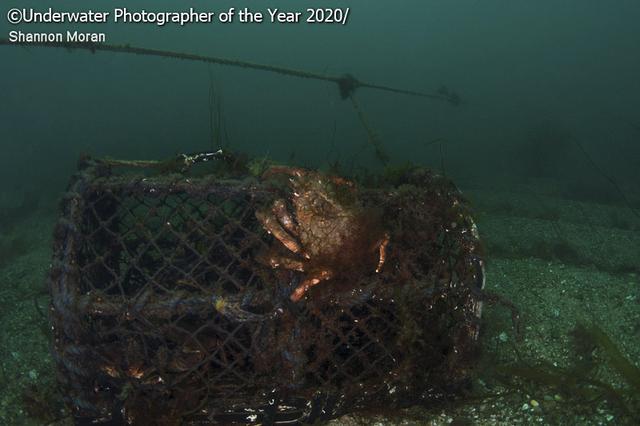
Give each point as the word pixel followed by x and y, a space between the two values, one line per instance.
pixel 321 222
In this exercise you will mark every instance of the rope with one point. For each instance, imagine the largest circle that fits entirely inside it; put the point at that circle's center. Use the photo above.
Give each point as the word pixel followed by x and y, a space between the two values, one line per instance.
pixel 372 136
pixel 608 177
pixel 347 84
pixel 180 163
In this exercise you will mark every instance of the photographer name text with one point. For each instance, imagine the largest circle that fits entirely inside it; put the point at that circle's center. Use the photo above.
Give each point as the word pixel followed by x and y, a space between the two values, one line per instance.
pixel 57 37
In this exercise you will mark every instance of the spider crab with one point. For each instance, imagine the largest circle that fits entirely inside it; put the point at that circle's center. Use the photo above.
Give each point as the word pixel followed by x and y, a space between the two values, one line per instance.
pixel 322 229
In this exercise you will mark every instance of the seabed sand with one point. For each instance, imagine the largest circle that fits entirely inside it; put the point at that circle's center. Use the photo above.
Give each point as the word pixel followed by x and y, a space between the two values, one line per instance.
pixel 559 261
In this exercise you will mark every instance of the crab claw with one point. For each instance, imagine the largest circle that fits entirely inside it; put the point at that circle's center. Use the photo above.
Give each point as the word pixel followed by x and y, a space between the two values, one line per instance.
pixel 300 291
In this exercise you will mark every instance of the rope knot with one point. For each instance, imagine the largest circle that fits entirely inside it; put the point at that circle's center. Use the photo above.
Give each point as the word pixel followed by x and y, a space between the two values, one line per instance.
pixel 348 85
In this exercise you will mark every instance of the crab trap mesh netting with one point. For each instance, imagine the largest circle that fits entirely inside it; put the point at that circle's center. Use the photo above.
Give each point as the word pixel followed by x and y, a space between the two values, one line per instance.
pixel 164 309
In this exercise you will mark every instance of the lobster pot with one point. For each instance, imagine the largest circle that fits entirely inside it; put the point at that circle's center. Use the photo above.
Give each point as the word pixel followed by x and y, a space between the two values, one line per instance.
pixel 163 311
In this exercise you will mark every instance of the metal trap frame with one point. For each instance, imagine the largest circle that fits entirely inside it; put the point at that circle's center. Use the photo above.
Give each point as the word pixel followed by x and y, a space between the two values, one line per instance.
pixel 162 313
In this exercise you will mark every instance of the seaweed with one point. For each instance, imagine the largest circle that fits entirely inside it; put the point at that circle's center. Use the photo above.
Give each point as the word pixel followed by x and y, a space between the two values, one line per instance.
pixel 581 382
pixel 398 174
pixel 629 372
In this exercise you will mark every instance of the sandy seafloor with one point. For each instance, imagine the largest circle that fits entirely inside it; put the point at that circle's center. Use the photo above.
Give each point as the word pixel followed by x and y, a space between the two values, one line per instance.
pixel 559 261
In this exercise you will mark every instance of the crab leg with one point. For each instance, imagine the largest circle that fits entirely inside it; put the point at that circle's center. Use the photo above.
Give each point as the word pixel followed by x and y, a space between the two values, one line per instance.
pixel 273 226
pixel 383 252
pixel 284 217
pixel 287 263
pixel 299 292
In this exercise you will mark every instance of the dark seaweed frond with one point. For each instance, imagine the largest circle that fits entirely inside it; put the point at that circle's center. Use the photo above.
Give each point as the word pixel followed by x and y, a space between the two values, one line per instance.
pixel 581 383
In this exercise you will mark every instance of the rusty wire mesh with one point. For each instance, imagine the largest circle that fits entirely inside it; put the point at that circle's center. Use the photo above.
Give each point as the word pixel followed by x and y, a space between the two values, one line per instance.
pixel 162 313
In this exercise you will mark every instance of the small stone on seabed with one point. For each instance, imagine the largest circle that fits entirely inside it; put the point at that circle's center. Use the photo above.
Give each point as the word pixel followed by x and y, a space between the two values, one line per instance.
pixel 525 406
